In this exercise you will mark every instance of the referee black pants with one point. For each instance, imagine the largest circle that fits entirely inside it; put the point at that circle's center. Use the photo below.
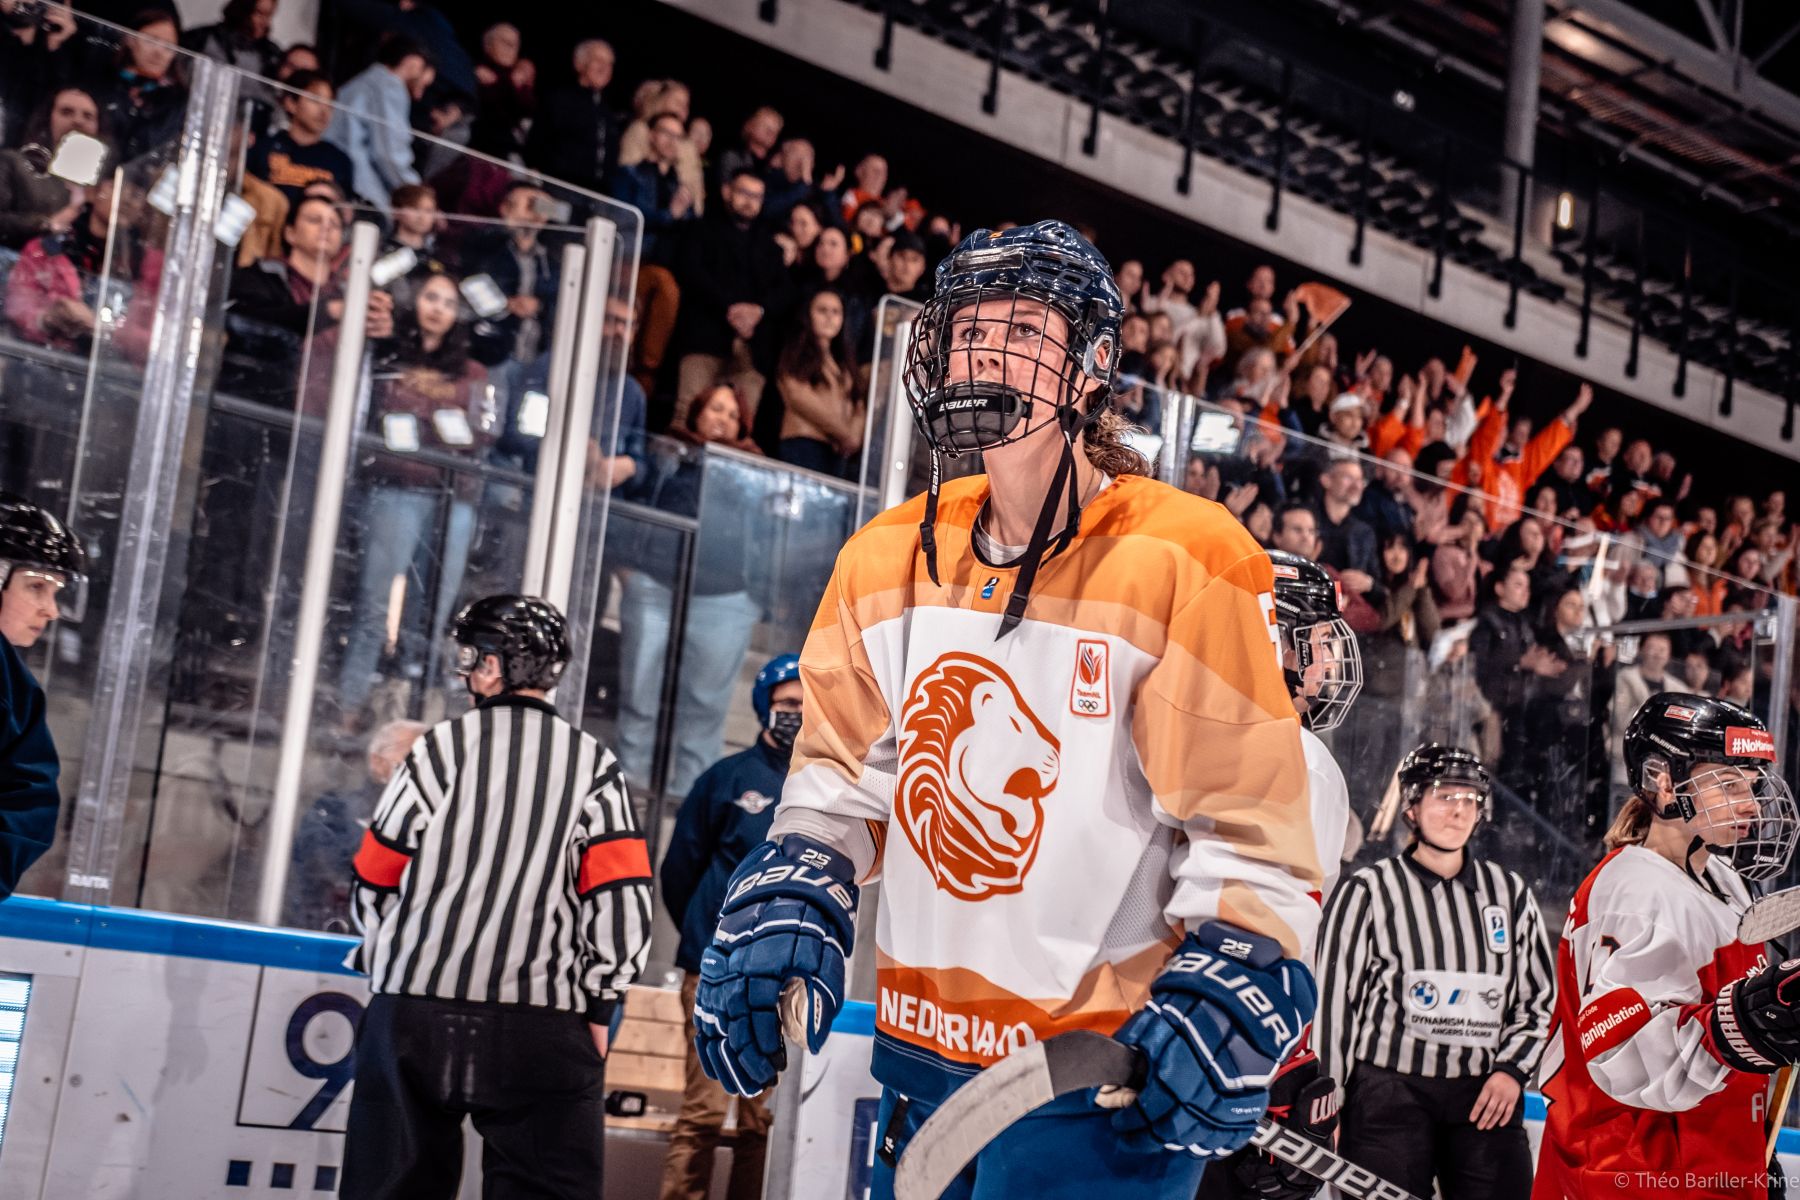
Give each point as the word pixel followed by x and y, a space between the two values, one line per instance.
pixel 529 1078
pixel 1411 1130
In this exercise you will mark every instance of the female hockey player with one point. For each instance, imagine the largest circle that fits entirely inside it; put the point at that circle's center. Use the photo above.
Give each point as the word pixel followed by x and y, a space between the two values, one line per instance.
pixel 1043 706
pixel 1667 1026
pixel 1434 980
pixel 1323 667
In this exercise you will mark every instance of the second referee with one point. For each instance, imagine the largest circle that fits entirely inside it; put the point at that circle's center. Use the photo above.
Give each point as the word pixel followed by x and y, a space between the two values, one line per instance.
pixel 503 894
pixel 1435 989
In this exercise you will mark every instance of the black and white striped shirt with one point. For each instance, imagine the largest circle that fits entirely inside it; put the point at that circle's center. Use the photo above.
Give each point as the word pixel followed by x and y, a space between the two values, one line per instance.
pixel 1444 978
pixel 504 864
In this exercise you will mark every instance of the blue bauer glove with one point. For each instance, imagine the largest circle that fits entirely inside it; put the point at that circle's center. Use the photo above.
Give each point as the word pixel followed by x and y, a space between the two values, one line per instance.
pixel 789 915
pixel 1227 1009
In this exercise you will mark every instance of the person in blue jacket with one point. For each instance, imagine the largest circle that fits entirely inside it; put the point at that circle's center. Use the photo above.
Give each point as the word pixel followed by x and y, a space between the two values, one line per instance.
pixel 725 816
pixel 42 577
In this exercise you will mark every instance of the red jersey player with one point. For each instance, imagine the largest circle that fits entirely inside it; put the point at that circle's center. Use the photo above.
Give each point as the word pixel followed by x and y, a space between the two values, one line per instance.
pixel 1667 1027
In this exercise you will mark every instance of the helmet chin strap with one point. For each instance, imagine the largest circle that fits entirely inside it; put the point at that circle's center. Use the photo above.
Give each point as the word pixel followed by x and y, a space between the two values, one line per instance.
pixel 1071 422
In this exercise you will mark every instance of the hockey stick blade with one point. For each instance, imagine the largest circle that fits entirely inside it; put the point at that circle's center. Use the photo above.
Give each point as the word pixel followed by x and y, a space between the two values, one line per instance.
pixel 1775 915
pixel 982 1109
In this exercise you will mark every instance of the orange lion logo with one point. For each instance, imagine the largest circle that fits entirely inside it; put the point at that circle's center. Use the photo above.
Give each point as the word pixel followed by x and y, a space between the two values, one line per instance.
pixel 977 765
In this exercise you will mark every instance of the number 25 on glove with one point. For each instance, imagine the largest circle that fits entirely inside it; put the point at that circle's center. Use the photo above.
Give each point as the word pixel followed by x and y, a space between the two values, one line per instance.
pixel 789 920
pixel 1226 1010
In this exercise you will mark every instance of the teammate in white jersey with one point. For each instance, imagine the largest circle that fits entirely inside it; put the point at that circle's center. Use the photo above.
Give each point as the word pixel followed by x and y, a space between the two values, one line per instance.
pixel 1323 667
pixel 1042 705
pixel 1668 1028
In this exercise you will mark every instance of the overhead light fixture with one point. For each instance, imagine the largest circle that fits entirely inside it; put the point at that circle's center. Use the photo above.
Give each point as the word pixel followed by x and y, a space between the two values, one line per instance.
pixel 1565 210
pixel 1403 100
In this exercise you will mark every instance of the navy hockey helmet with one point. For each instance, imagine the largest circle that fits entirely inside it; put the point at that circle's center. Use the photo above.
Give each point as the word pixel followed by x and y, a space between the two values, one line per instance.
pixel 1320 657
pixel 34 543
pixel 777 671
pixel 527 635
pixel 1718 760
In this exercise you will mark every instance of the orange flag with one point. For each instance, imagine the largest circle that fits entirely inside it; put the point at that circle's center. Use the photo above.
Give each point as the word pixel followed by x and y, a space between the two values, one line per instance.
pixel 1324 302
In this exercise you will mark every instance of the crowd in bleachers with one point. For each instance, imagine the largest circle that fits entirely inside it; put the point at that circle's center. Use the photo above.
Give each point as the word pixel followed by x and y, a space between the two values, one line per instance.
pixel 762 269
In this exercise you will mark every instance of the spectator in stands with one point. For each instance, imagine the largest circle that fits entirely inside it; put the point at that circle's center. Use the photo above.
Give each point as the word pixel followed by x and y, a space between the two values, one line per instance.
pixel 1261 328
pixel 32 62
pixel 1456 562
pixel 1385 505
pixel 724 818
pixel 651 100
pixel 1740 517
pixel 522 268
pixel 575 135
pixel 299 154
pixel 868 186
pixel 1348 418
pixel 1662 475
pixel 653 187
pixel 296 58
pixel 33 202
pixel 822 418
pixel 453 72
pixel 903 267
pixel 1737 681
pixel 1661 533
pixel 1567 477
pixel 1134 344
pixel 756 143
pixel 54 288
pixel 329 832
pixel 1777 552
pixel 1393 665
pixel 1509 662
pixel 1701 575
pixel 1643 592
pixel 506 93
pixel 418 224
pixel 302 292
pixel 721 611
pixel 1633 472
pixel 143 97
pixel 1312 405
pixel 803 226
pixel 1129 276
pixel 1504 483
pixel 372 123
pixel 790 182
pixel 240 39
pixel 729 272
pixel 1346 541
pixel 1259 519
pixel 428 395
pixel 1636 683
pixel 1605 461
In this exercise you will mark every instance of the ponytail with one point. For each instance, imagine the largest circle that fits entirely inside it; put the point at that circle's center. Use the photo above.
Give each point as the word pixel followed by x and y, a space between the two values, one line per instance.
pixel 1107 449
pixel 1632 825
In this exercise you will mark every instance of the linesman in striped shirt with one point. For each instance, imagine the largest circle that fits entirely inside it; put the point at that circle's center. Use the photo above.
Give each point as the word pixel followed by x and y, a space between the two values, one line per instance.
pixel 1436 986
pixel 503 895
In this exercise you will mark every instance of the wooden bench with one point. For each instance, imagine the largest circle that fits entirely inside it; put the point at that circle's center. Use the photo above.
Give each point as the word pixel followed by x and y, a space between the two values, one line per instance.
pixel 650 1056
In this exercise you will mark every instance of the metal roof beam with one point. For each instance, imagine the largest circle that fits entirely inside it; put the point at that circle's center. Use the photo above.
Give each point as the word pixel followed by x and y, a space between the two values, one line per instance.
pixel 1726 74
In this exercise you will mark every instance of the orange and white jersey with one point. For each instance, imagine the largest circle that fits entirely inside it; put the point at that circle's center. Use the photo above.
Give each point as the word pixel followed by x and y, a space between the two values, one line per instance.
pixel 1049 811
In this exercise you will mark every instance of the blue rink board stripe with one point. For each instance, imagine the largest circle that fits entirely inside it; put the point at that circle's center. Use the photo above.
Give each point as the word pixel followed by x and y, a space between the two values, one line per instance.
pixel 133 929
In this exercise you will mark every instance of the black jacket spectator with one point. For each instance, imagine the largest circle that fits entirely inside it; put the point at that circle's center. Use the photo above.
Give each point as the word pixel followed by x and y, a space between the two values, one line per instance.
pixel 726 815
pixel 723 262
pixel 575 137
pixel 502 260
pixel 651 190
pixel 143 94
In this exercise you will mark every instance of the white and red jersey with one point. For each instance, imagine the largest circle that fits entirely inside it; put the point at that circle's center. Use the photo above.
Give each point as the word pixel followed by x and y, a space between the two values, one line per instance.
pixel 1048 811
pixel 1639 1105
pixel 1330 808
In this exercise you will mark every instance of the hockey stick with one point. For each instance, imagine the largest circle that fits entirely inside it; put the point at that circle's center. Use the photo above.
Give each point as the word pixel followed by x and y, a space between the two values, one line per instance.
pixel 1775 915
pixel 982 1109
